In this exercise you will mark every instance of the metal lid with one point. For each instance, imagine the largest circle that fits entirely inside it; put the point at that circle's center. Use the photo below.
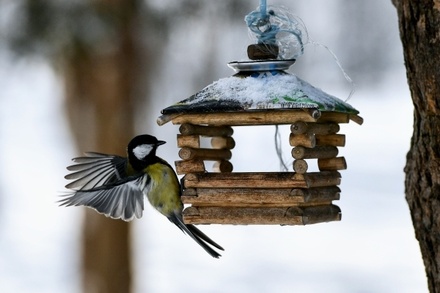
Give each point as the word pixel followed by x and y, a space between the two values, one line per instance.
pixel 261 65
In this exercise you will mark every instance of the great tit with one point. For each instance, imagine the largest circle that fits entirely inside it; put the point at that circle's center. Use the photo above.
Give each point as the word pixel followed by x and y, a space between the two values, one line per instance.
pixel 115 186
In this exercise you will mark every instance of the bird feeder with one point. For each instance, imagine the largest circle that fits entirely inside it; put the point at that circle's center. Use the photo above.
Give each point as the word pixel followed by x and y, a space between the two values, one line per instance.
pixel 260 93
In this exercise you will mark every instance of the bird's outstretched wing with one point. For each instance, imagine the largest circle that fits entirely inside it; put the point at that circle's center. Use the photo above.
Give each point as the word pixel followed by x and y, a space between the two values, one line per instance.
pixel 95 170
pixel 102 184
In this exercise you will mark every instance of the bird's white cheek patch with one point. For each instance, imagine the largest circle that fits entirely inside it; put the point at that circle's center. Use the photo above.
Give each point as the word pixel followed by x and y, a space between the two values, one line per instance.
pixel 141 151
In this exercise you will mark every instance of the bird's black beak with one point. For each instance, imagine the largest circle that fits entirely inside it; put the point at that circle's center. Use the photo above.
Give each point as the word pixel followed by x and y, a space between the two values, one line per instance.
pixel 160 142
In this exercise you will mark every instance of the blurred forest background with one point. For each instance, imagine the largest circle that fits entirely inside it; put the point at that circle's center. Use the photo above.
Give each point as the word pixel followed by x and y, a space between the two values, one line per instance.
pixel 88 75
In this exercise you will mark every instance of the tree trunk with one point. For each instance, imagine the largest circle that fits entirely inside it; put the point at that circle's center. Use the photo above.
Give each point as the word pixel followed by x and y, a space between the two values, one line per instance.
pixel 419 23
pixel 100 106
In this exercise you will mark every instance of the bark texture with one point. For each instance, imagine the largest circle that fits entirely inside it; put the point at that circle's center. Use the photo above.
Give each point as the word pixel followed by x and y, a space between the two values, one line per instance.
pixel 419 23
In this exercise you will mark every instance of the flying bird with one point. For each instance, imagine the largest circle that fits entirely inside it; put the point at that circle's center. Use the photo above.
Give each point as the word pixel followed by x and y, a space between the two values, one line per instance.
pixel 115 186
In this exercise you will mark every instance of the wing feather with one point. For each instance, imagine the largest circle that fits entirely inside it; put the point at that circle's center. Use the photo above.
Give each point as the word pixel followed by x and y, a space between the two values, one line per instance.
pixel 124 200
pixel 100 182
pixel 94 170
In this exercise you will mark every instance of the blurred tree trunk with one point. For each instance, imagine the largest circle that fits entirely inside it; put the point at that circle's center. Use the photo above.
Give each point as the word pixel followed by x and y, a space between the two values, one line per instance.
pixel 419 23
pixel 100 106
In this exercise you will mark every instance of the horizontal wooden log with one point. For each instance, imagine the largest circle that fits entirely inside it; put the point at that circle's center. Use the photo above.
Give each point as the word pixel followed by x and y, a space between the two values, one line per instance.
pixel 267 117
pixel 222 166
pixel 189 129
pixel 301 127
pixel 317 194
pixel 321 179
pixel 262 51
pixel 262 216
pixel 191 166
pixel 253 197
pixel 307 140
pixel 300 166
pixel 313 112
pixel 244 180
pixel 262 180
pixel 223 143
pixel 356 118
pixel 331 139
pixel 191 141
pixel 204 154
pixel 318 152
pixel 332 164
pixel 336 117
pixel 163 119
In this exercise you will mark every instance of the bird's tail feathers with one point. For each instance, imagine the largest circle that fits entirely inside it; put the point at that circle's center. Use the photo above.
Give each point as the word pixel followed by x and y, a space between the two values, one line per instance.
pixel 197 235
pixel 203 236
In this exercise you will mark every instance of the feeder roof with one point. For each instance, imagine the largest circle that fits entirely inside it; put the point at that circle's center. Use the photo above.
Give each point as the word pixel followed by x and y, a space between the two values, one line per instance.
pixel 258 91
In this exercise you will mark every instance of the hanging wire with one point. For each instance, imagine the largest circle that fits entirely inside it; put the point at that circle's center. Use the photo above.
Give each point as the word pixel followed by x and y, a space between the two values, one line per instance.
pixel 279 150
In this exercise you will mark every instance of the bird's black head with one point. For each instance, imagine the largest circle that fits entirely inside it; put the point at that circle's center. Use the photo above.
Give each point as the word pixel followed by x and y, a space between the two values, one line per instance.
pixel 142 150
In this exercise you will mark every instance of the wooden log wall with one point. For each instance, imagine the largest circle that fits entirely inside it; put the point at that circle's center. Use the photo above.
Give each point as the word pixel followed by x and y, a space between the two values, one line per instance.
pixel 318 140
pixel 286 198
pixel 194 156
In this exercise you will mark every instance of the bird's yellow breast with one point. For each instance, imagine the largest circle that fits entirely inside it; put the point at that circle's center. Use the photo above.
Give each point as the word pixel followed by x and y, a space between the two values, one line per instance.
pixel 163 189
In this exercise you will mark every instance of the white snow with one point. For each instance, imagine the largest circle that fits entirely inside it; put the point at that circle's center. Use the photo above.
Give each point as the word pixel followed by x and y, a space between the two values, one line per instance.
pixel 268 90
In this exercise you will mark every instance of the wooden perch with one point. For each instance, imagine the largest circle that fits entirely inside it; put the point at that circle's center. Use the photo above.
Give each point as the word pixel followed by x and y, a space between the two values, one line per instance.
pixel 189 129
pixel 244 180
pixel 318 152
pixel 301 127
pixel 253 197
pixel 306 139
pixel 222 166
pixel 223 143
pixel 300 166
pixel 191 141
pixel 262 180
pixel 191 166
pixel 267 117
pixel 332 164
pixel 204 154
pixel 262 216
pixel 331 139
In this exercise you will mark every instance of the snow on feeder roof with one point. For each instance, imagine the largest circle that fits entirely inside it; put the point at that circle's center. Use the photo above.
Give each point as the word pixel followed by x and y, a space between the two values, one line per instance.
pixel 266 90
pixel 257 86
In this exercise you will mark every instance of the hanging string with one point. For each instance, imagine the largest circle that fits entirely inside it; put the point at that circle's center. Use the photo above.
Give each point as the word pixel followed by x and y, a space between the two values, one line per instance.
pixel 338 63
pixel 279 150
pixel 263 8
pixel 277 26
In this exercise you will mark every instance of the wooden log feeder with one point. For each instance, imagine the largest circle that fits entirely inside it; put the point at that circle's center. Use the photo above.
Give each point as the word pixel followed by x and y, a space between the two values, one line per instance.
pixel 260 93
